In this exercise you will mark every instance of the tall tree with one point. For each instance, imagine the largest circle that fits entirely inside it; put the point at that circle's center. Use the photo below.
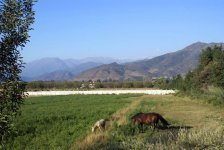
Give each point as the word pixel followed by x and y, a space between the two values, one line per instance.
pixel 16 17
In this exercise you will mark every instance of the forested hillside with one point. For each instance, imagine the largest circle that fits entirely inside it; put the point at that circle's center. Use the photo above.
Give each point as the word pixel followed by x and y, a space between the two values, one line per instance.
pixel 207 79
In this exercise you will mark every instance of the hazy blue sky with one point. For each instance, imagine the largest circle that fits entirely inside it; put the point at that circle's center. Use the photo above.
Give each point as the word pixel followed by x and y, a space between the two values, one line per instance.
pixel 122 28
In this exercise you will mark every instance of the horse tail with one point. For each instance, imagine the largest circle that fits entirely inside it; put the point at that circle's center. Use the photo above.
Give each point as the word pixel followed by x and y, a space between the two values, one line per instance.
pixel 164 122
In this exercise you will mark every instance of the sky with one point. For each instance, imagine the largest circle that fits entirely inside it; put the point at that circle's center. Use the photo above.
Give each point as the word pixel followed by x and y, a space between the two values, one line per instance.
pixel 122 29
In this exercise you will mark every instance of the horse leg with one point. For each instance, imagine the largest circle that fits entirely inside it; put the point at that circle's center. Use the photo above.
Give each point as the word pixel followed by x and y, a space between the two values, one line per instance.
pixel 103 127
pixel 100 128
pixel 133 131
pixel 154 126
pixel 139 127
pixel 142 127
pixel 133 128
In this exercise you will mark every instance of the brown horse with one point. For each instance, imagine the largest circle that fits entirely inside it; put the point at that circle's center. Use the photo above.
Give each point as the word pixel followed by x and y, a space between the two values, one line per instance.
pixel 149 119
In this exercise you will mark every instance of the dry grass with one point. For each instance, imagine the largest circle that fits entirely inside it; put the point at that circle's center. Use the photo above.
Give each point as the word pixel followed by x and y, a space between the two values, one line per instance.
pixel 90 140
pixel 204 138
pixel 120 116
pixel 192 113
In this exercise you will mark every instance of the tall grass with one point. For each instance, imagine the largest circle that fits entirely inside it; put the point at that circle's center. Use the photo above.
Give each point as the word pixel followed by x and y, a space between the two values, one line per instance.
pixel 215 95
pixel 211 94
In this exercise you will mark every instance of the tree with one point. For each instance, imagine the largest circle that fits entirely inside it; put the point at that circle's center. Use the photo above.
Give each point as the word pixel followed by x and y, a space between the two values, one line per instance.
pixel 211 68
pixel 16 17
pixel 189 81
pixel 205 58
pixel 218 67
pixel 147 84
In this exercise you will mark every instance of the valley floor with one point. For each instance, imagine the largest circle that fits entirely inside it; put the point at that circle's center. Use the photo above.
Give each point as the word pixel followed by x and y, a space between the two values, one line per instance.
pixel 64 122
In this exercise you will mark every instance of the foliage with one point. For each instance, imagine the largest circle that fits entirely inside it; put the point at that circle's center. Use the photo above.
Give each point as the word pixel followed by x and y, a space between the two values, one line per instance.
pixel 16 16
pixel 215 96
pixel 162 83
pixel 210 70
pixel 52 85
pixel 85 85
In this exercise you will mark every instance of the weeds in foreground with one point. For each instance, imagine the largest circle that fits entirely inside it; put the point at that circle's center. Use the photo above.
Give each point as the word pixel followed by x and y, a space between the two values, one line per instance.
pixel 173 138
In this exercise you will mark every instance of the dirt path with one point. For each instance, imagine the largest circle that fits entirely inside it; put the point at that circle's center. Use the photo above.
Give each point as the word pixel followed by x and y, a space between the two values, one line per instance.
pixel 190 112
pixel 119 117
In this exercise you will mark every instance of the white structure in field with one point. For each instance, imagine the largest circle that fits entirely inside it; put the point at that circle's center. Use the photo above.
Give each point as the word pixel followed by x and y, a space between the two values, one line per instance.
pixel 149 92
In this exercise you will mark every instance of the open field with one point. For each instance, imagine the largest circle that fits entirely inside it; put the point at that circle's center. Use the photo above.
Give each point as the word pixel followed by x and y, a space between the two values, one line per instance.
pixel 63 122
pixel 56 122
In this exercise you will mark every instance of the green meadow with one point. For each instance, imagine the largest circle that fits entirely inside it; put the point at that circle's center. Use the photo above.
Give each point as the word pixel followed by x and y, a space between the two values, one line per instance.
pixel 56 122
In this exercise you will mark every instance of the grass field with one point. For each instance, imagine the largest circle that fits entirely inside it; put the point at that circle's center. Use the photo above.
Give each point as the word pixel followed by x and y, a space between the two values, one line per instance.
pixel 56 122
pixel 63 122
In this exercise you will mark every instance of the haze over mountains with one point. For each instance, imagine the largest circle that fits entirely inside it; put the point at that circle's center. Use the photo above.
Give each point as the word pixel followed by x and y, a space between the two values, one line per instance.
pixel 167 65
pixel 57 69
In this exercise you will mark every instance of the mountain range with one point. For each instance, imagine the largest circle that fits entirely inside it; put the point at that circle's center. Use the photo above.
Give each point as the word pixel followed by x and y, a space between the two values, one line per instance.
pixel 167 65
pixel 59 70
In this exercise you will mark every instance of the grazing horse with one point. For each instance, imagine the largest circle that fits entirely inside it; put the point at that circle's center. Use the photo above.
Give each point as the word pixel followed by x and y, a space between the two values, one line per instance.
pixel 100 124
pixel 149 119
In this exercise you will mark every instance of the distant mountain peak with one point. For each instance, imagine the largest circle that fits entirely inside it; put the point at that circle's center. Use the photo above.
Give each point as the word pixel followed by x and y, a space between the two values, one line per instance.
pixel 167 65
pixel 199 42
pixel 114 63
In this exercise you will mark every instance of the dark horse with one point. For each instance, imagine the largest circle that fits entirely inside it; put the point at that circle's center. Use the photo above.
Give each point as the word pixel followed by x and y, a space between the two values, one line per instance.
pixel 149 119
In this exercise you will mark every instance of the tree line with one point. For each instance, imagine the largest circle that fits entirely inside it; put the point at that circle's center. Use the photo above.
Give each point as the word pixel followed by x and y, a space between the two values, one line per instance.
pixel 87 85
